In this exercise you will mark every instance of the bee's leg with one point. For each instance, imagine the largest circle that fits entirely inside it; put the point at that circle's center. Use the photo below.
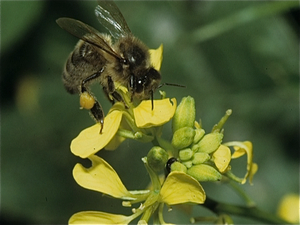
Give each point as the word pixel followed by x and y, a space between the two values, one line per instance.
pixel 98 114
pixel 112 91
pixel 92 77
pixel 96 109
pixel 132 86
pixel 106 92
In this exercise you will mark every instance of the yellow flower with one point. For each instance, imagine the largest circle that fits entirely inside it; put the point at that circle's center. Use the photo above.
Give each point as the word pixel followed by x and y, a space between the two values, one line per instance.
pixel 289 208
pixel 242 148
pixel 89 141
pixel 178 188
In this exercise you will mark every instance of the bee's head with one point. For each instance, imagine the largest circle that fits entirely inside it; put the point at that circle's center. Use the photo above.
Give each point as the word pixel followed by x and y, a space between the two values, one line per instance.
pixel 143 85
pixel 143 78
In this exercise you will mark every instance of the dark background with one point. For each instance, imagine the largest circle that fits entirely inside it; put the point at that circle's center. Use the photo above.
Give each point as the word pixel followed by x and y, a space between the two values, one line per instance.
pixel 238 55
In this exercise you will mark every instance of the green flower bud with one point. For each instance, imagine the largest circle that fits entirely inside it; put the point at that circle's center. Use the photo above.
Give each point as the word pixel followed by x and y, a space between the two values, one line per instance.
pixel 195 148
pixel 188 164
pixel 185 114
pixel 203 172
pixel 186 154
pixel 210 142
pixel 183 137
pixel 200 157
pixel 177 166
pixel 198 135
pixel 157 158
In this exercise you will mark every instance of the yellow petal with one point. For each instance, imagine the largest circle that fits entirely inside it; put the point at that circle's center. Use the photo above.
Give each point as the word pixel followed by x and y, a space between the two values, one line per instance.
pixel 222 158
pixel 115 142
pixel 254 169
pixel 241 148
pixel 181 188
pixel 238 152
pixel 94 217
pixel 117 139
pixel 289 208
pixel 90 141
pixel 156 57
pixel 163 111
pixel 101 177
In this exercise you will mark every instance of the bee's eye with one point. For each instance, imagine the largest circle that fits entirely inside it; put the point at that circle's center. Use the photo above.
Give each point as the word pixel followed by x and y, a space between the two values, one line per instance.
pixel 141 83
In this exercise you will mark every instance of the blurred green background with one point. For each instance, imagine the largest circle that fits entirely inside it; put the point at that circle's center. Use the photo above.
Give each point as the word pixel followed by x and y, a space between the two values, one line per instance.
pixel 239 55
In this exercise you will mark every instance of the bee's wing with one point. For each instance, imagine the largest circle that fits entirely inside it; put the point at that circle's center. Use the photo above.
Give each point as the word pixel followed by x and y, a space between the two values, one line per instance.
pixel 109 15
pixel 86 33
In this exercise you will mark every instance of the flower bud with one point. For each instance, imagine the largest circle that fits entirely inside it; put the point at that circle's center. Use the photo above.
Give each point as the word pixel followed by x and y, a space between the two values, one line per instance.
pixel 157 158
pixel 198 135
pixel 177 166
pixel 188 164
pixel 210 142
pixel 200 157
pixel 185 114
pixel 183 137
pixel 186 154
pixel 203 172
pixel 195 148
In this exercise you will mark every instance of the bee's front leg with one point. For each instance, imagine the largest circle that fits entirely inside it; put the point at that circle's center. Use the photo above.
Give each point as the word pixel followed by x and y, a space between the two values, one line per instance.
pixel 111 90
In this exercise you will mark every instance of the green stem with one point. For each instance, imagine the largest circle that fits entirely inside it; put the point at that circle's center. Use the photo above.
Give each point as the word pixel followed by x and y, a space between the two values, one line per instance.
pixel 167 146
pixel 250 212
pixel 242 194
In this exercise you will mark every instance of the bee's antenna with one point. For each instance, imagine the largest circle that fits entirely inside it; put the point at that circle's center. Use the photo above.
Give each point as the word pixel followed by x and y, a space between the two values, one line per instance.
pixel 170 84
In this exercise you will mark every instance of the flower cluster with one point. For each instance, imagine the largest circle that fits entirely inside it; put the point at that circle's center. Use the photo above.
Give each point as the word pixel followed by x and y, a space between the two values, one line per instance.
pixel 190 157
pixel 204 156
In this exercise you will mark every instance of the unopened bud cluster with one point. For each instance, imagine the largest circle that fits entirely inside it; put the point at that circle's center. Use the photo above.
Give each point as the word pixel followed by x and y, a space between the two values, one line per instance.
pixel 195 148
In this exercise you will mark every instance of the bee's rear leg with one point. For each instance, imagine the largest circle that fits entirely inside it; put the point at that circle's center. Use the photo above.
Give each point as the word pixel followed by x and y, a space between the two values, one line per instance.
pixel 88 101
pixel 98 114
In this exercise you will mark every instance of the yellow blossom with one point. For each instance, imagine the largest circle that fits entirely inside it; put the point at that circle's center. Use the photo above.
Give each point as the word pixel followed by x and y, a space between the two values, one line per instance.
pixel 242 148
pixel 90 141
pixel 289 208
pixel 178 188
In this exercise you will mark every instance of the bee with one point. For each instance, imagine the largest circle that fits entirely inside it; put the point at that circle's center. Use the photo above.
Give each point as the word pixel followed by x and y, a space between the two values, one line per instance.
pixel 108 59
